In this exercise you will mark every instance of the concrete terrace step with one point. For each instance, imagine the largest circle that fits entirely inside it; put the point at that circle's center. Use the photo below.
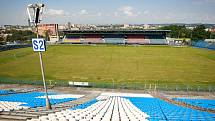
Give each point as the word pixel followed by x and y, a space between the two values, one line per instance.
pixel 21 115
pixel 73 103
pixel 13 118
pixel 36 113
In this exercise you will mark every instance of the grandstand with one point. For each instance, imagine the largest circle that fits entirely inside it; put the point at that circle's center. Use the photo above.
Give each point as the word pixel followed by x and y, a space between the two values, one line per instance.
pixel 32 100
pixel 203 44
pixel 93 39
pixel 127 107
pixel 72 39
pixel 155 37
pixel 114 39
pixel 137 39
pixel 99 106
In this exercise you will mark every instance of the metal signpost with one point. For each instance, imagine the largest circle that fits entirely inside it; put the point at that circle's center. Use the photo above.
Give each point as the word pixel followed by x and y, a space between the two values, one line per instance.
pixel 35 16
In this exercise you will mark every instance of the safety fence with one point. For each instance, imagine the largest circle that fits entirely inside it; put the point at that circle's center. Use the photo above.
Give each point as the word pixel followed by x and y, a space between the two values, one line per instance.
pixel 146 85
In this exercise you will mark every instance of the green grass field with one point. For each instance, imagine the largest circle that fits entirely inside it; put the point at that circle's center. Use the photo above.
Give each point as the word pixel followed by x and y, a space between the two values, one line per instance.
pixel 142 64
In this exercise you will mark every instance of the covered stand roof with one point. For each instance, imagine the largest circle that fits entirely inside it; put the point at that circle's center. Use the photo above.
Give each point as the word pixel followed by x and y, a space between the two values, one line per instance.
pixel 115 31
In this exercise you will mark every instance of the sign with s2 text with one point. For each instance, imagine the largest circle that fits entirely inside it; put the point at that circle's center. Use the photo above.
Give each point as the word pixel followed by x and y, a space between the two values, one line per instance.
pixel 39 44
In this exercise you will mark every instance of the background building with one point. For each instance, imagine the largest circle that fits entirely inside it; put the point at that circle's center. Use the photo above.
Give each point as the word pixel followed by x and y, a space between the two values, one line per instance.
pixel 50 31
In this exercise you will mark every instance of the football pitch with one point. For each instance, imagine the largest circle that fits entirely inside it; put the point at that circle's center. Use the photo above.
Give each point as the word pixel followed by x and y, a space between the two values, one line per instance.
pixel 105 63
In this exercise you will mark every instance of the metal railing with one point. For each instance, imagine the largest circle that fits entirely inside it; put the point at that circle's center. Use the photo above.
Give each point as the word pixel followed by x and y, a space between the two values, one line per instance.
pixel 200 87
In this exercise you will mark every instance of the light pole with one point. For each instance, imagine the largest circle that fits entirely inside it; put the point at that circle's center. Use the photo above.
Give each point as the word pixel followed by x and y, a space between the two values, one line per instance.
pixel 113 83
pixel 35 12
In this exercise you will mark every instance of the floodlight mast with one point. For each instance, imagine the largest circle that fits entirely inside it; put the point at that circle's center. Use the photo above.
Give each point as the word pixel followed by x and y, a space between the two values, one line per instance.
pixel 35 12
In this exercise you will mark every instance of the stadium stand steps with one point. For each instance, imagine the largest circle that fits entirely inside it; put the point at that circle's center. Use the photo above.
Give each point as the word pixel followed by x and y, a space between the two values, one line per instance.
pixel 12 118
pixel 181 103
pixel 16 91
pixel 103 108
pixel 159 109
pixel 6 92
pixel 23 115
pixel 132 108
pixel 200 103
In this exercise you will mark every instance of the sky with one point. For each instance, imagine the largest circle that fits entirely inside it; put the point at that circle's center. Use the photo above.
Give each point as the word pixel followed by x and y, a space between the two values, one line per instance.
pixel 111 11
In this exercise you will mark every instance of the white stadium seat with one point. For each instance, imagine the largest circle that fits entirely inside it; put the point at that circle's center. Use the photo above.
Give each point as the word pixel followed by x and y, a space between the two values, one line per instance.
pixel 107 108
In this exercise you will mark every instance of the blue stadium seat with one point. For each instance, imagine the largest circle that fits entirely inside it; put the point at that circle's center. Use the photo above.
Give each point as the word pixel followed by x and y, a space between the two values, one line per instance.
pixel 114 40
pixel 160 110
pixel 158 41
pixel 211 46
pixel 85 105
pixel 203 103
pixel 5 92
pixel 31 100
pixel 201 44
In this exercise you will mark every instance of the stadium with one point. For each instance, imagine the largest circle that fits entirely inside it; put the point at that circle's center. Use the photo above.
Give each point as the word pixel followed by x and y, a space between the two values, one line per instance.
pixel 142 37
pixel 96 81
pixel 105 75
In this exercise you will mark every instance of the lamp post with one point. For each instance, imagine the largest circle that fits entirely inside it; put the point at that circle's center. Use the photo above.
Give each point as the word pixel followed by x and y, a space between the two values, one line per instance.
pixel 35 12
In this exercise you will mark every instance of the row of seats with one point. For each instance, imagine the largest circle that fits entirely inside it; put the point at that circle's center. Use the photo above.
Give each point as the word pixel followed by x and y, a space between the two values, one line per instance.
pixel 85 105
pixel 127 107
pixel 114 40
pixel 203 103
pixel 204 44
pixel 20 90
pixel 211 46
pixel 109 108
pixel 158 41
pixel 138 41
pixel 93 40
pixel 117 40
pixel 75 40
pixel 5 92
pixel 201 44
pixel 33 100
pixel 17 90
pixel 158 109
pixel 9 106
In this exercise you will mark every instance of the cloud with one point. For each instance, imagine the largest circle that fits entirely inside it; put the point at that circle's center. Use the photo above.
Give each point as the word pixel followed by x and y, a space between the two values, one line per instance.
pixel 146 12
pixel 115 13
pixel 56 12
pixel 99 14
pixel 128 11
pixel 83 12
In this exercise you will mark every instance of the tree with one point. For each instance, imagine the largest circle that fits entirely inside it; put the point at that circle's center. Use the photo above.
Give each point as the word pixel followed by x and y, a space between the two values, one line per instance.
pixel 177 31
pixel 199 33
pixel 212 35
pixel 9 38
pixel 20 35
pixel 46 34
pixel 2 41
